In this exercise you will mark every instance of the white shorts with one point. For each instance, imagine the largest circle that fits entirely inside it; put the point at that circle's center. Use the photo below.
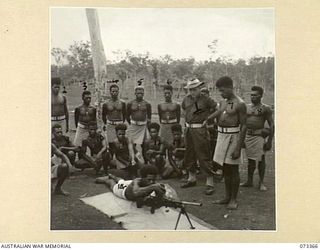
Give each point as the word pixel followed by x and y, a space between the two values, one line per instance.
pixel 120 188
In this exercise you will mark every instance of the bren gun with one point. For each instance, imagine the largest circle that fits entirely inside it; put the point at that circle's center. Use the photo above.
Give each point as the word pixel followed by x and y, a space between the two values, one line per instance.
pixel 155 202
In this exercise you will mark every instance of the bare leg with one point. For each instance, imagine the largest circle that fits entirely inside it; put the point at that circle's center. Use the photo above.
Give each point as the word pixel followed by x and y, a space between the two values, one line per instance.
pixel 251 168
pixel 228 185
pixel 235 181
pixel 262 168
pixel 62 175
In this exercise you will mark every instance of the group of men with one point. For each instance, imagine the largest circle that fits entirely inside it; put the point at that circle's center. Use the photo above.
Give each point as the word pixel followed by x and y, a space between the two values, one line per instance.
pixel 130 145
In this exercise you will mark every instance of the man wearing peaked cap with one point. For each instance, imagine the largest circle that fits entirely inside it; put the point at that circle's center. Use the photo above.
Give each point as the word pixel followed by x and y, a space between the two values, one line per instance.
pixel 197 108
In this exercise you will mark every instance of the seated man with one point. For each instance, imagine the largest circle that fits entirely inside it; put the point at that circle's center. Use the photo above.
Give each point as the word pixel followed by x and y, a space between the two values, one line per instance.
pixel 99 155
pixel 125 160
pixel 63 143
pixel 138 188
pixel 154 148
pixel 59 171
pixel 176 153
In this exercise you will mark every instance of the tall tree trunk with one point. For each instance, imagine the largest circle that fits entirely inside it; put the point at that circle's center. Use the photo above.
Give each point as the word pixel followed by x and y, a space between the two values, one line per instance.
pixel 98 55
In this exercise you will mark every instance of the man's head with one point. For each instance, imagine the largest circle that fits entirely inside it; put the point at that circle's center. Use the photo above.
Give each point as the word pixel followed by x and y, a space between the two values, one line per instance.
pixel 114 91
pixel 154 130
pixel 225 86
pixel 121 131
pixel 176 130
pixel 86 97
pixel 194 87
pixel 167 90
pixel 148 174
pixel 205 92
pixel 56 131
pixel 55 85
pixel 139 92
pixel 92 127
pixel 256 94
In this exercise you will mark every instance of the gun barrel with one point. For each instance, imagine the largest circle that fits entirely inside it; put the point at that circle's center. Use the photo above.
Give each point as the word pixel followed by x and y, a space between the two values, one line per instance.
pixel 191 203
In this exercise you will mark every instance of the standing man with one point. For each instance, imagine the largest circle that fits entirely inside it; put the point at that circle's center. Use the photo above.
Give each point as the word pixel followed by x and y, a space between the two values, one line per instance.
pixel 113 113
pixel 169 115
pixel 59 109
pixel 232 115
pixel 138 116
pixel 257 114
pixel 83 115
pixel 197 108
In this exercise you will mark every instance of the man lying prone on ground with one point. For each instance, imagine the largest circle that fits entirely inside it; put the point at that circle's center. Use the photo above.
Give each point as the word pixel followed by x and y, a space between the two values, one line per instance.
pixel 134 189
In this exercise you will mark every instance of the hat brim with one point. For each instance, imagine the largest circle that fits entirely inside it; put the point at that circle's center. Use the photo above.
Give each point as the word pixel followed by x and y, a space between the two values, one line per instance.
pixel 195 85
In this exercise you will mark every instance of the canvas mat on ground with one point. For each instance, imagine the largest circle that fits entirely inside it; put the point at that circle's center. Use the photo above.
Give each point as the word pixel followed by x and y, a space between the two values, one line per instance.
pixel 133 218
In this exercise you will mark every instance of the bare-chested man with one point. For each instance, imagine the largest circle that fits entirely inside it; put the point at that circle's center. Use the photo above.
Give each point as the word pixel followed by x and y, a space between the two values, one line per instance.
pixel 169 114
pixel 113 113
pixel 59 108
pixel 154 148
pixel 83 115
pixel 232 114
pixel 125 162
pixel 99 155
pixel 257 114
pixel 138 116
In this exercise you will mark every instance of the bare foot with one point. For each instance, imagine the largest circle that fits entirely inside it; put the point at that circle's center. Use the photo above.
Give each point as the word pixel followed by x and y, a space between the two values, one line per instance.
pixel 221 202
pixel 61 192
pixel 232 205
pixel 102 180
pixel 263 187
pixel 246 184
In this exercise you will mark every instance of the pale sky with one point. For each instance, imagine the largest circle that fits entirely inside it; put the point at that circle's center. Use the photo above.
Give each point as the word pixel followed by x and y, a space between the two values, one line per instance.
pixel 181 33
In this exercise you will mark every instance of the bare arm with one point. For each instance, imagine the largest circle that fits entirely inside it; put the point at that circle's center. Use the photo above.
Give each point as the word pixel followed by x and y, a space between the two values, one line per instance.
pixel 61 155
pixel 124 111
pixel 95 114
pixel 66 112
pixel 104 148
pixel 172 162
pixel 129 113
pixel 145 191
pixel 104 114
pixel 76 116
pixel 149 112
pixel 242 109
pixel 178 113
pixel 159 111
pixel 271 125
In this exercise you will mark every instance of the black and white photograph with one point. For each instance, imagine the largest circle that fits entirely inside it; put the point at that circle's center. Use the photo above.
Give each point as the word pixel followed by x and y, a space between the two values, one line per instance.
pixel 162 119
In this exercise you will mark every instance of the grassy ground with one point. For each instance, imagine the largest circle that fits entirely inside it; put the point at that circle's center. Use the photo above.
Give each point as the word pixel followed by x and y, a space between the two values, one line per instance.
pixel 256 209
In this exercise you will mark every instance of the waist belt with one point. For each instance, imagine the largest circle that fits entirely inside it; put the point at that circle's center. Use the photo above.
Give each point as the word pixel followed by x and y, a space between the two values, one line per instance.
pixel 58 118
pixel 139 123
pixel 228 130
pixel 254 131
pixel 172 121
pixel 80 125
pixel 194 125
pixel 114 122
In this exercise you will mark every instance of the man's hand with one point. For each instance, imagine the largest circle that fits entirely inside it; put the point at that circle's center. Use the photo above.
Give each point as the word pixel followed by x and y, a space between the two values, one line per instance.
pixel 236 154
pixel 133 162
pixel 159 189
pixel 205 123
pixel 267 146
